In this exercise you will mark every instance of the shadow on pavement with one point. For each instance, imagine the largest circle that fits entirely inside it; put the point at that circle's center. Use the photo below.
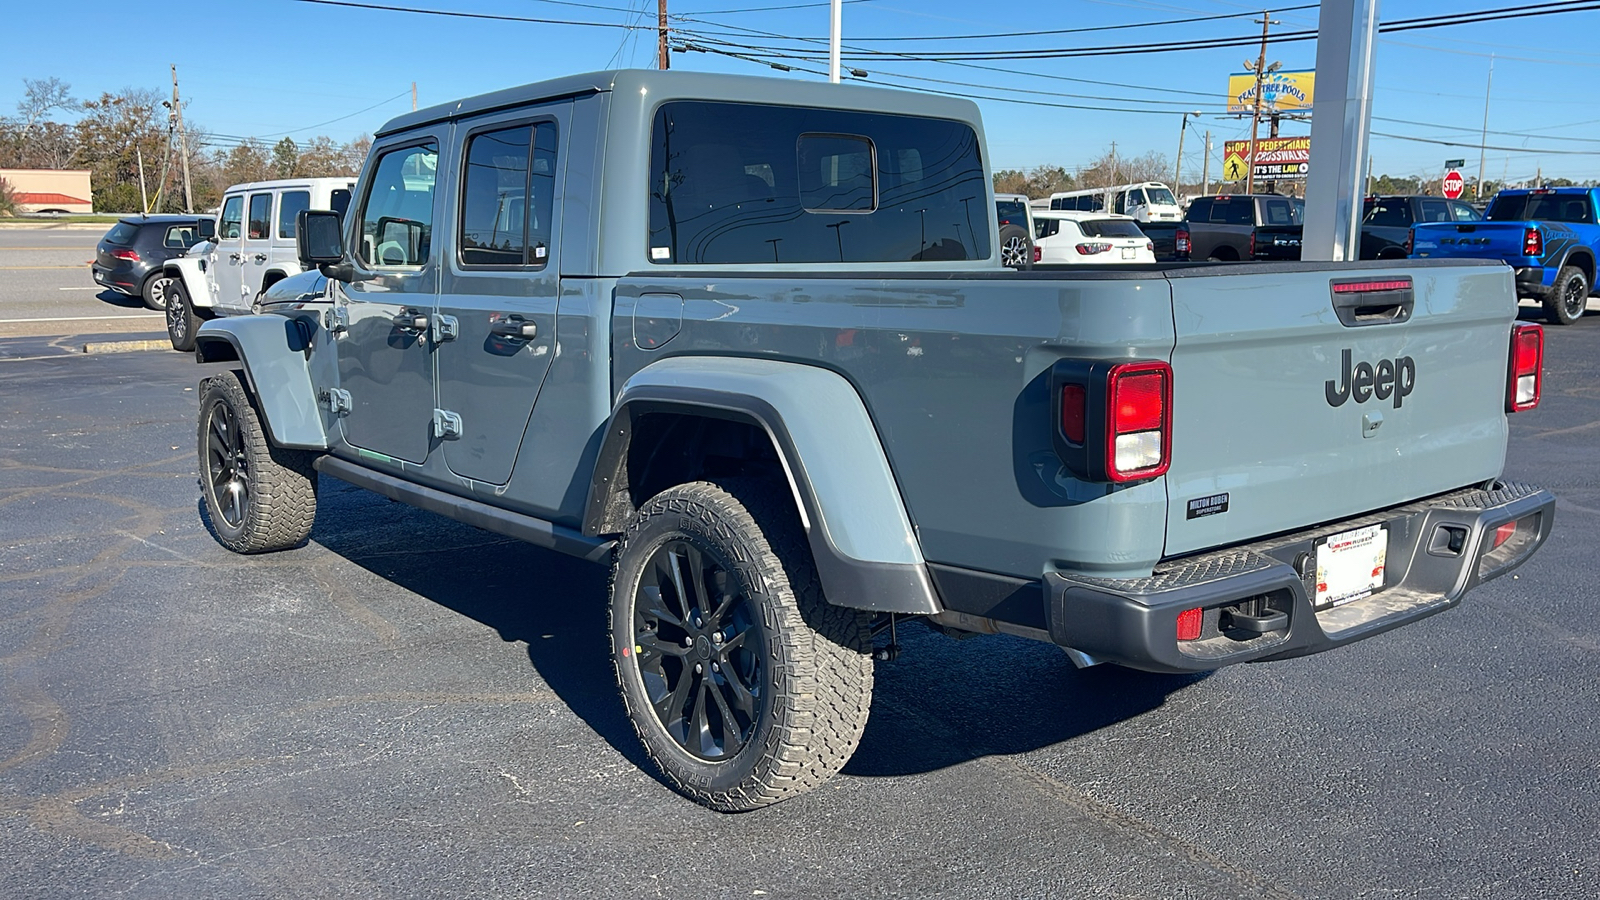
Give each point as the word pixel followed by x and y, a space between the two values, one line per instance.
pixel 941 703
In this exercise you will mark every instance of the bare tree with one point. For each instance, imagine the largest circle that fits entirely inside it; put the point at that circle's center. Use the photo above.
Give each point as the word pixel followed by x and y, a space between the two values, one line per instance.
pixel 41 96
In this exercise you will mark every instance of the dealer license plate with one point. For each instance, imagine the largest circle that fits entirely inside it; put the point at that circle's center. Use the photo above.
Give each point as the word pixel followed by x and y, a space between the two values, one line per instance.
pixel 1128 252
pixel 1350 565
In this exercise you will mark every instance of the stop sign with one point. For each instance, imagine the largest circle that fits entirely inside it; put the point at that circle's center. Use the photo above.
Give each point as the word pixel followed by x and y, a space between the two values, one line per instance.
pixel 1454 185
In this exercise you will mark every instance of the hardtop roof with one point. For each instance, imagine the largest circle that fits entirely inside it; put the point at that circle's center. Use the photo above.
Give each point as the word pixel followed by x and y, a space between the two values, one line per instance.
pixel 652 84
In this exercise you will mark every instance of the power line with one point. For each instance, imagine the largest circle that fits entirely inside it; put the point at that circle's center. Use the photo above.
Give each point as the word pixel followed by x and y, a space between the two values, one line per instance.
pixel 1444 143
pixel 1011 34
pixel 465 15
pixel 1421 22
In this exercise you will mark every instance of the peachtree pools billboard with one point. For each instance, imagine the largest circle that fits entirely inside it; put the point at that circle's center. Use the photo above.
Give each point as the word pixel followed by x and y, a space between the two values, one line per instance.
pixel 1280 91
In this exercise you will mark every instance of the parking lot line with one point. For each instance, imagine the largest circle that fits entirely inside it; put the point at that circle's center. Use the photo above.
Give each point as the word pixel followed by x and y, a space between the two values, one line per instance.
pixel 15 268
pixel 86 318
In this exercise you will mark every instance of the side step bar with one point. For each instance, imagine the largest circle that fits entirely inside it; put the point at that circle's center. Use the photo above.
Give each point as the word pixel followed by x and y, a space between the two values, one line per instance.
pixel 534 530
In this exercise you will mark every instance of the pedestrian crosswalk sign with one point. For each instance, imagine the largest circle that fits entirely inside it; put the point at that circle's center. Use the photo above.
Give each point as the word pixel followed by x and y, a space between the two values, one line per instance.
pixel 1233 168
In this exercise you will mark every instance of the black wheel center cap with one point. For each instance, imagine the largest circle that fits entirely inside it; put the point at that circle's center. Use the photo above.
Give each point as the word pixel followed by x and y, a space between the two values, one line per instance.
pixel 702 647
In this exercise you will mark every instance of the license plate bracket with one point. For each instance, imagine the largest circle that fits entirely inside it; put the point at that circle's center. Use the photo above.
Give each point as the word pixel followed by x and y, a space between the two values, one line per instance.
pixel 1350 565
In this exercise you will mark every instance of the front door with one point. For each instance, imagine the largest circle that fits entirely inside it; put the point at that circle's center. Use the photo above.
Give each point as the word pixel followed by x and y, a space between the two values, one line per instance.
pixel 284 257
pixel 501 286
pixel 385 356
pixel 227 259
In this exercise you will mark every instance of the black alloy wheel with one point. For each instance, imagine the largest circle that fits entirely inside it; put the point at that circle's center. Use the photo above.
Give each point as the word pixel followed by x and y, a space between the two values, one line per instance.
pixel 699 650
pixel 227 465
pixel 1574 298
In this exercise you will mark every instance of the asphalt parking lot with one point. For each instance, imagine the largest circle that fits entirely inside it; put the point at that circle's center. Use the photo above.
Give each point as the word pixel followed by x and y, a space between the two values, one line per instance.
pixel 410 707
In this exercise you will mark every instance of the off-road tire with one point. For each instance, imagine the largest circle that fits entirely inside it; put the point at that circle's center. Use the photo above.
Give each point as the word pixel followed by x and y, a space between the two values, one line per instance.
pixel 273 501
pixel 816 665
pixel 182 321
pixel 1568 297
pixel 153 291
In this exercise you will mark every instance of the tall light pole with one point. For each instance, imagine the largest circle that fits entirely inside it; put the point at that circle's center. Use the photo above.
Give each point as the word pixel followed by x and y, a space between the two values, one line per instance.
pixel 1483 142
pixel 1177 168
pixel 835 27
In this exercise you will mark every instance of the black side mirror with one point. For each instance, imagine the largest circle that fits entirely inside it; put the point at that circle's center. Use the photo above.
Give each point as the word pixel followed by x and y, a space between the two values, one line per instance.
pixel 319 240
pixel 207 229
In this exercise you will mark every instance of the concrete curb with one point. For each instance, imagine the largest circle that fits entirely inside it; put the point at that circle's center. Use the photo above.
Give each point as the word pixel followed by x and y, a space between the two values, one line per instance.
pixel 125 346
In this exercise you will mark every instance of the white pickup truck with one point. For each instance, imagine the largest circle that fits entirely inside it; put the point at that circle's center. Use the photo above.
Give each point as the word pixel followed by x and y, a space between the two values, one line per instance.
pixel 253 249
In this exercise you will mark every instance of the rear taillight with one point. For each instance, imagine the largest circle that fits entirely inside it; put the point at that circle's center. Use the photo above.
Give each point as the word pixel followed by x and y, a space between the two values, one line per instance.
pixel 129 255
pixel 1411 240
pixel 1252 244
pixel 1527 359
pixel 1114 420
pixel 1093 247
pixel 1140 401
pixel 1150 245
pixel 1038 253
pixel 1533 242
pixel 1180 240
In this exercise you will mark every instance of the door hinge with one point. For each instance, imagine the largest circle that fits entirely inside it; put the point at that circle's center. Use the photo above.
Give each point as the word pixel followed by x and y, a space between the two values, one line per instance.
pixel 336 320
pixel 445 328
pixel 337 401
pixel 446 424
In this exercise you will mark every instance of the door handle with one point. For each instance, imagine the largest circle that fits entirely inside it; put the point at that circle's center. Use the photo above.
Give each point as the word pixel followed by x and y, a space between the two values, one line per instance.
pixel 515 328
pixel 233 257
pixel 411 320
pixel 260 257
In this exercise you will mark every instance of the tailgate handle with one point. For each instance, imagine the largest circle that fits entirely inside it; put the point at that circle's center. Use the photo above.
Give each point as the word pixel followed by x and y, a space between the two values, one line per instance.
pixel 1387 301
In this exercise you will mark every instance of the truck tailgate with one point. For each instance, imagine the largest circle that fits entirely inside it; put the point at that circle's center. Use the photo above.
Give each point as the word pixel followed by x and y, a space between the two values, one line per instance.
pixel 1285 416
pixel 1469 240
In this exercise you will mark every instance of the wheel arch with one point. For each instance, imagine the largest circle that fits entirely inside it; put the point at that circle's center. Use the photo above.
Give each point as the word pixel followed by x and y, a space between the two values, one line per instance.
pixel 1583 258
pixel 674 417
pixel 272 351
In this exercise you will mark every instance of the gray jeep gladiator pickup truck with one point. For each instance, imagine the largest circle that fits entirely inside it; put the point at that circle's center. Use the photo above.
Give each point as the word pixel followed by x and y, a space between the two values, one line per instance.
pixel 750 343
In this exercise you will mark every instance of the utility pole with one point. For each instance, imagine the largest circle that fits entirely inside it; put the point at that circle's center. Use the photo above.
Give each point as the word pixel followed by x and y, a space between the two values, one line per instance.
pixel 413 96
pixel 1272 185
pixel 1260 68
pixel 1483 142
pixel 144 199
pixel 662 61
pixel 183 143
pixel 1177 169
pixel 1205 169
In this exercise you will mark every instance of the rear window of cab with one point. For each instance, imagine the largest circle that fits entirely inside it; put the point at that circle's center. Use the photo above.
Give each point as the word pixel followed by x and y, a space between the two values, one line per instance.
pixel 748 183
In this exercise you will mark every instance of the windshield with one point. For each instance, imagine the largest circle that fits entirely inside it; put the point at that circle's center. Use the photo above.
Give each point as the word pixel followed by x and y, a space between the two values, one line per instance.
pixel 1160 196
pixel 1120 228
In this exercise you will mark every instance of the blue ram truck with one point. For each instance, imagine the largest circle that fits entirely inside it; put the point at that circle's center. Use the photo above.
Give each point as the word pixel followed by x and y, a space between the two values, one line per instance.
pixel 750 344
pixel 1549 237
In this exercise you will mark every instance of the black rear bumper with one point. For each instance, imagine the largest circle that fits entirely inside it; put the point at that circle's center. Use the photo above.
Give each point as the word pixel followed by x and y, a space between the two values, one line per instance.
pixel 1256 599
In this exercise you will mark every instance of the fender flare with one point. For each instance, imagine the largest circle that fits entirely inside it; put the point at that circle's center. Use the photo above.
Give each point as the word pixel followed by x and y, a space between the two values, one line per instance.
pixel 273 351
pixel 865 547
pixel 188 269
pixel 1566 260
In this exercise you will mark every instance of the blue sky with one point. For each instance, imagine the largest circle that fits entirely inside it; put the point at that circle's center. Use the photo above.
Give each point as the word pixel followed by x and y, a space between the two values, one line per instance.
pixel 271 67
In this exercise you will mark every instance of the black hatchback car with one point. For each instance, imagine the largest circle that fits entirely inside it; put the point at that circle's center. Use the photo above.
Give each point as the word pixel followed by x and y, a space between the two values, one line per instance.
pixel 130 256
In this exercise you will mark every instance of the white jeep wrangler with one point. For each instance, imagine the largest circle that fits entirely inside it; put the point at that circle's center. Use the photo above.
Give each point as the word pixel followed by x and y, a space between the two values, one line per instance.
pixel 254 248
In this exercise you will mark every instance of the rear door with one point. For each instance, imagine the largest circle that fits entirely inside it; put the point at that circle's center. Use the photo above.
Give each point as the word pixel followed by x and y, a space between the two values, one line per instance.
pixel 1288 412
pixel 255 251
pixel 501 284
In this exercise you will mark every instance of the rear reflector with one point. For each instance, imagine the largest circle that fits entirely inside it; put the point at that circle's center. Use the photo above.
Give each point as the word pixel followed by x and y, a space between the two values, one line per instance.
pixel 1189 622
pixel 1527 363
pixel 1073 411
pixel 1504 533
